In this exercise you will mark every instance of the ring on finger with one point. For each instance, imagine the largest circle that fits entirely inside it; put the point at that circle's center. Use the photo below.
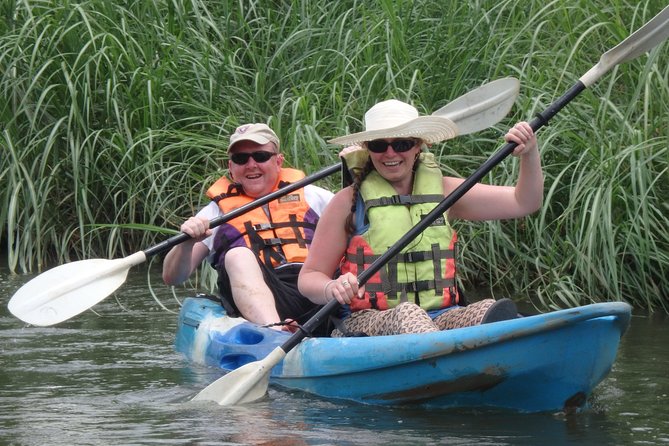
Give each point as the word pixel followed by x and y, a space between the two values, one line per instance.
pixel 344 282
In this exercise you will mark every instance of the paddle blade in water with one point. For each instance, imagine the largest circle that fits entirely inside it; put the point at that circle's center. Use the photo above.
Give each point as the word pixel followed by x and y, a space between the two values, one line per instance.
pixel 65 291
pixel 243 385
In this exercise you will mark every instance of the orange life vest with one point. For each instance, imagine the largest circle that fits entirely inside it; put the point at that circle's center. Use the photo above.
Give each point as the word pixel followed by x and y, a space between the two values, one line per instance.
pixel 278 232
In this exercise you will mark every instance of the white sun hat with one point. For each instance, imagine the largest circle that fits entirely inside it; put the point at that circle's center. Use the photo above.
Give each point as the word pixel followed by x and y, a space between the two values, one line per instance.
pixel 397 119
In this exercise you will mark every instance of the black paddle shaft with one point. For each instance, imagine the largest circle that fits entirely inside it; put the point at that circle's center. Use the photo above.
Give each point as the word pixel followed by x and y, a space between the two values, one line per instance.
pixel 540 121
pixel 182 237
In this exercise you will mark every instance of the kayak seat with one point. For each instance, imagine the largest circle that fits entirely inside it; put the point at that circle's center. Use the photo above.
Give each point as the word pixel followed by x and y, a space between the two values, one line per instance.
pixel 244 343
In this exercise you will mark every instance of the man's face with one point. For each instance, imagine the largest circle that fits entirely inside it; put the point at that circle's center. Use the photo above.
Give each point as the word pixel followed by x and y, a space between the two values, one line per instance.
pixel 258 178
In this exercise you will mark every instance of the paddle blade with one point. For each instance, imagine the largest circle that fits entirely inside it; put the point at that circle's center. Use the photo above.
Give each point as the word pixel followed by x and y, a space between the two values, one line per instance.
pixel 654 32
pixel 243 385
pixel 65 291
pixel 482 107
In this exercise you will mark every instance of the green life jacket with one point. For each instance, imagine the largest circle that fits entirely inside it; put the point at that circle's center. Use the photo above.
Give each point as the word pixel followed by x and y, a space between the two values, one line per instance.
pixel 424 271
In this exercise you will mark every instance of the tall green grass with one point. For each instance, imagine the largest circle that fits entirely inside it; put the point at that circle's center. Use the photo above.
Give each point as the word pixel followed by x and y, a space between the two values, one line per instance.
pixel 115 115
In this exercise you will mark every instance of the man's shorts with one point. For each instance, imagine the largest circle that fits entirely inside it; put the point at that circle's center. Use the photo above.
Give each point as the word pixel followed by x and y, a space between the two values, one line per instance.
pixel 282 281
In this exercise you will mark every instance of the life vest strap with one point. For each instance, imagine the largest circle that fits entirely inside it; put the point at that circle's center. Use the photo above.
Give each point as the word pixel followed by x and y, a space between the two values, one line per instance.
pixel 391 286
pixel 405 200
pixel 375 288
pixel 405 257
pixel 361 259
pixel 273 241
pixel 419 256
pixel 234 190
pixel 424 285
pixel 293 223
pixel 301 241
pixel 420 285
pixel 276 241
pixel 262 226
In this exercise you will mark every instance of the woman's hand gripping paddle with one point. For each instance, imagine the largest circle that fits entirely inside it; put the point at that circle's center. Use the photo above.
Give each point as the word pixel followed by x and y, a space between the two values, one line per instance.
pixel 249 382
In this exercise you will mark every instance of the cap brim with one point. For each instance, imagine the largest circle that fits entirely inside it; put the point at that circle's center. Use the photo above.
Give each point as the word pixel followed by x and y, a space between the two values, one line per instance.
pixel 430 129
pixel 258 139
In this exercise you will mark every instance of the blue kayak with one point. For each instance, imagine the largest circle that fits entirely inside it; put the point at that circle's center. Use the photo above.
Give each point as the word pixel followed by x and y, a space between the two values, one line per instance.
pixel 546 362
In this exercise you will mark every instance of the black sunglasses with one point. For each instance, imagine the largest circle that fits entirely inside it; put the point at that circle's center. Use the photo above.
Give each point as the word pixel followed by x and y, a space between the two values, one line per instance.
pixel 399 145
pixel 261 156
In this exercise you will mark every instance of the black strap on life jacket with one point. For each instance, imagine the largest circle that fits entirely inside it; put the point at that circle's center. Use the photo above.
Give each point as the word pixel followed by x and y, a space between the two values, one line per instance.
pixel 363 260
pixel 389 283
pixel 404 200
pixel 296 225
pixel 234 190
pixel 271 247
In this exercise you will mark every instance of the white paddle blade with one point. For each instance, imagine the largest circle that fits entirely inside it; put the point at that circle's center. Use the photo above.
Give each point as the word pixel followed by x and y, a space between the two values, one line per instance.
pixel 654 32
pixel 243 385
pixel 483 107
pixel 67 290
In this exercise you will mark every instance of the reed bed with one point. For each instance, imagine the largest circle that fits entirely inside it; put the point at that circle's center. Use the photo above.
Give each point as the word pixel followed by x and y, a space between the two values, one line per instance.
pixel 115 115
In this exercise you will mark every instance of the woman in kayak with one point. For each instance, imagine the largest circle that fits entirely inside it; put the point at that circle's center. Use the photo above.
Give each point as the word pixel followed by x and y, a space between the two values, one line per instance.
pixel 395 182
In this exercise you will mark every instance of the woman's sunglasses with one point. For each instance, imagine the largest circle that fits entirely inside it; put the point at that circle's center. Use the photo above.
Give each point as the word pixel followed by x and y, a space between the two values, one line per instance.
pixel 261 156
pixel 399 145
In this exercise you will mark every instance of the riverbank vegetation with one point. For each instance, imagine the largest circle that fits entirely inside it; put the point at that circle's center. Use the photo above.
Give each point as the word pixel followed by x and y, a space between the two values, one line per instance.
pixel 114 119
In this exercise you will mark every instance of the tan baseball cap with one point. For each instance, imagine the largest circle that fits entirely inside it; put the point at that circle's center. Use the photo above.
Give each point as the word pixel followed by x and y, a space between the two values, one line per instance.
pixel 258 133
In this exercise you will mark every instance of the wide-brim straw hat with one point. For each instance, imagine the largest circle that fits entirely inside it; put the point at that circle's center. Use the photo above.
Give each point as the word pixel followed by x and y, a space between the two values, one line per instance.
pixel 397 119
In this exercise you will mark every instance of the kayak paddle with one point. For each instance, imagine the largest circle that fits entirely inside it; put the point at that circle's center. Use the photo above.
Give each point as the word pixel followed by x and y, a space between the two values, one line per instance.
pixel 250 382
pixel 67 290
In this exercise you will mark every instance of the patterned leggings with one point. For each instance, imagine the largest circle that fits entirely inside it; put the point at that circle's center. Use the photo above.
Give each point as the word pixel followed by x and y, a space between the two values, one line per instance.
pixel 408 317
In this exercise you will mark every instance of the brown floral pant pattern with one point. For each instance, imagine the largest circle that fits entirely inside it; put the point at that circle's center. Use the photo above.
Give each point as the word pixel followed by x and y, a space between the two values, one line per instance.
pixel 408 317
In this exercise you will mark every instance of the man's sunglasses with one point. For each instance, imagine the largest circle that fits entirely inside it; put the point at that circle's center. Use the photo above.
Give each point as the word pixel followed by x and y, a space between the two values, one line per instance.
pixel 261 156
pixel 399 145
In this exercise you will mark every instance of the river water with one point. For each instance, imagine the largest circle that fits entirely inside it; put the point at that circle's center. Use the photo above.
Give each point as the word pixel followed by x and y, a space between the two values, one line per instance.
pixel 112 377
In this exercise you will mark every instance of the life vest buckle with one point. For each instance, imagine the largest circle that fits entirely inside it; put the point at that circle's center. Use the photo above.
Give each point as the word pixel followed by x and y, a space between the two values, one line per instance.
pixel 262 226
pixel 415 256
pixel 403 199
pixel 272 241
pixel 411 286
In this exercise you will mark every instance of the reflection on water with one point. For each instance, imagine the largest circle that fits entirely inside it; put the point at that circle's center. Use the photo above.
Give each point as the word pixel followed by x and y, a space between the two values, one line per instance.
pixel 114 378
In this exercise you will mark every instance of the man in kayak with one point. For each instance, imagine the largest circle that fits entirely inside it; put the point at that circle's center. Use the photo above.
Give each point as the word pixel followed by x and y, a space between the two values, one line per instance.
pixel 396 183
pixel 259 254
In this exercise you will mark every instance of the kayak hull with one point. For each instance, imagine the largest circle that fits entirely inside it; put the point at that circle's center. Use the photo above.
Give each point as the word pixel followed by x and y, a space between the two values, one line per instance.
pixel 545 362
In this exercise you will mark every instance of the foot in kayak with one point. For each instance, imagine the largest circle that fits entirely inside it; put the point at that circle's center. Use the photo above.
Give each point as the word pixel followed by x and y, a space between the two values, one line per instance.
pixel 501 310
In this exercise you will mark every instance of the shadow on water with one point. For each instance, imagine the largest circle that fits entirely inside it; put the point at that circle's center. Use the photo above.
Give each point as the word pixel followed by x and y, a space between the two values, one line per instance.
pixel 114 378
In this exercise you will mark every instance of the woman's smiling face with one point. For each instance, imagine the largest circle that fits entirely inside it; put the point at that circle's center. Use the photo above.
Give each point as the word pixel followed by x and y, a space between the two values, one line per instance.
pixel 395 167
